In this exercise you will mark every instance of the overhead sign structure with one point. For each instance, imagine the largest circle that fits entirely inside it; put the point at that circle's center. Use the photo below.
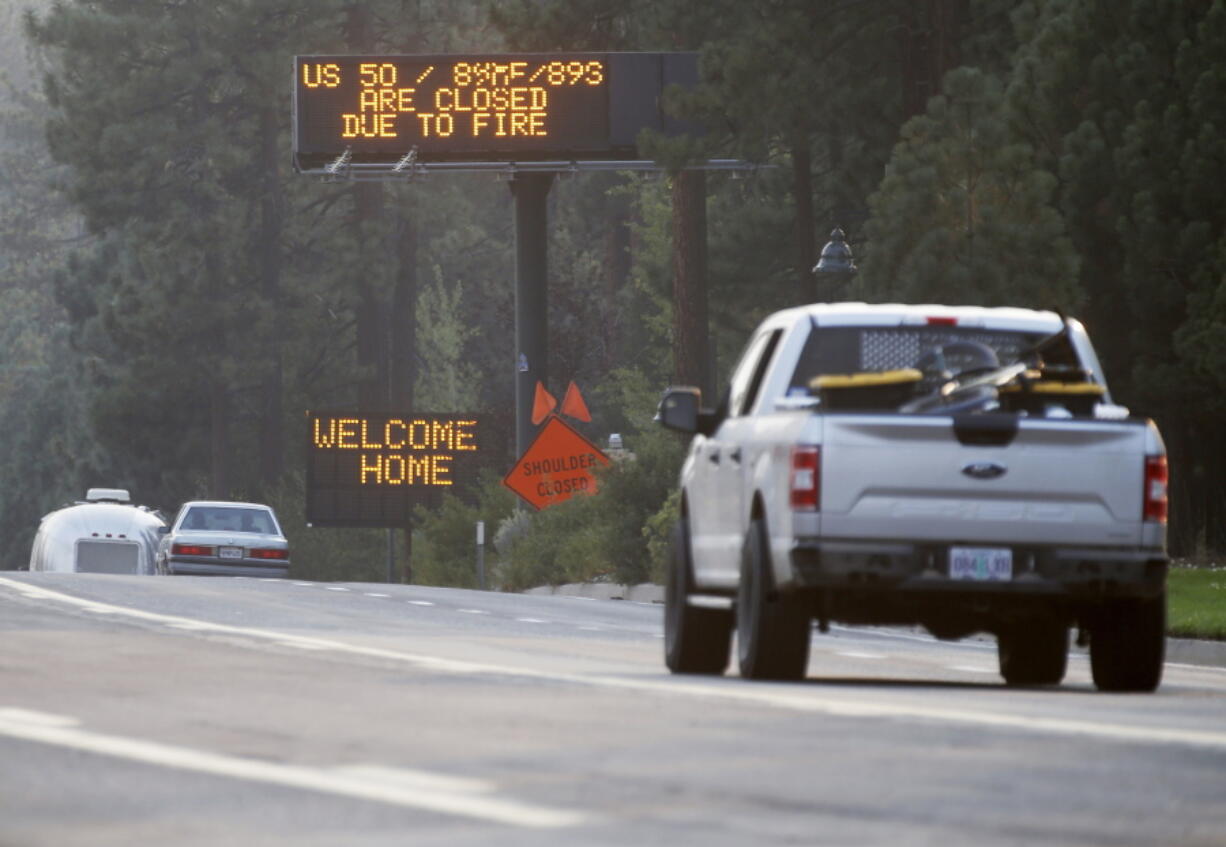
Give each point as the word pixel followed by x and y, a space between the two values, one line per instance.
pixel 370 469
pixel 559 464
pixel 481 107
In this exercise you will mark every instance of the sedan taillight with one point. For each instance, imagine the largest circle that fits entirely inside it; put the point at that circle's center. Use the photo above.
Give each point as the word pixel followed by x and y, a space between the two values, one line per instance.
pixel 190 550
pixel 1156 478
pixel 268 553
pixel 806 478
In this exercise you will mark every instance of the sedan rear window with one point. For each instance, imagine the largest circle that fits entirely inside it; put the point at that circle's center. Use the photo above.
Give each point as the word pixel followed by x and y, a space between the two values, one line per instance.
pixel 229 519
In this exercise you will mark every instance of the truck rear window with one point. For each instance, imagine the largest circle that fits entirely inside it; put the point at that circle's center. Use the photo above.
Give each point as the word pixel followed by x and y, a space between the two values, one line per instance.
pixel 933 350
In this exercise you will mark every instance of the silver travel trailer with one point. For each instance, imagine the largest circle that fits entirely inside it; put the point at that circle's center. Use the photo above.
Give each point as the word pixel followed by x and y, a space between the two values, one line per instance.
pixel 104 533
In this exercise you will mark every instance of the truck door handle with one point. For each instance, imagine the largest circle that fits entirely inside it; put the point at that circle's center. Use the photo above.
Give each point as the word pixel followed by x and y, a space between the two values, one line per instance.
pixel 735 455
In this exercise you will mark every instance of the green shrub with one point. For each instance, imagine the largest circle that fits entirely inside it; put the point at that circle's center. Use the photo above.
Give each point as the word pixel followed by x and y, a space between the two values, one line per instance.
pixel 444 539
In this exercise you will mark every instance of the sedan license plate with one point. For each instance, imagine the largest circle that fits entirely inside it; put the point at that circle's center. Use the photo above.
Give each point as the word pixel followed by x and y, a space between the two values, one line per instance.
pixel 983 564
pixel 230 552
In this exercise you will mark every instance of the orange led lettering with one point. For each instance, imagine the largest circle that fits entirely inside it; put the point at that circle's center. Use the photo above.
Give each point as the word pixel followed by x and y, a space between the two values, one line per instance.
pixel 387 434
pixel 464 437
pixel 371 74
pixel 347 428
pixel 395 476
pixel 442 433
pixel 424 428
pixel 327 439
pixel 404 100
pixel 439 470
pixel 376 469
pixel 366 445
pixel 418 469
pixel 328 75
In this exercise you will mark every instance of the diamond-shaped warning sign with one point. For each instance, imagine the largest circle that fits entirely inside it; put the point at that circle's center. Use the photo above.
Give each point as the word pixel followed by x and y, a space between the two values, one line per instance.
pixel 558 465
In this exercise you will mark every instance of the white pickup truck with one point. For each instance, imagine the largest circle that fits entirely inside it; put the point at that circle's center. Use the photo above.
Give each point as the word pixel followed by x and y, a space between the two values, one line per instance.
pixel 959 468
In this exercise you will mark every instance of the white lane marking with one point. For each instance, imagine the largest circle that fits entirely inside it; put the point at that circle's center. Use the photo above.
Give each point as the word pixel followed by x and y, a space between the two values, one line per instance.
pixel 190 626
pixel 300 645
pixel 419 602
pixel 270 579
pixel 853 654
pixel 472 611
pixel 307 584
pixel 531 620
pixel 972 669
pixel 592 628
pixel 376 594
pixel 335 588
pixel 793 698
pixel 411 789
pixel 29 716
pixel 705 601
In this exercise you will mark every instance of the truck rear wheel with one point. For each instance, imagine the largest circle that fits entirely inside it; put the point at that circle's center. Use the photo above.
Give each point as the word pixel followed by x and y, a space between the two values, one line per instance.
pixel 1035 653
pixel 696 640
pixel 1128 644
pixel 772 630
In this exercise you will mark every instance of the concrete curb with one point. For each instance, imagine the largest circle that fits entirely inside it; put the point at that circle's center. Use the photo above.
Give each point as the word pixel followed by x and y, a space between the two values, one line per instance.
pixel 645 592
pixel 1187 651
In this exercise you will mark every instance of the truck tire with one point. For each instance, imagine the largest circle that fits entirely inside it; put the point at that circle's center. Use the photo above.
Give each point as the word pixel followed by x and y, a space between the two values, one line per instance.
pixel 1128 644
pixel 696 640
pixel 1035 653
pixel 772 630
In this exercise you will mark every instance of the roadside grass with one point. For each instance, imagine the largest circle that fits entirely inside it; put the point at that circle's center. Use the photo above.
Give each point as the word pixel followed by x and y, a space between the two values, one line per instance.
pixel 1196 602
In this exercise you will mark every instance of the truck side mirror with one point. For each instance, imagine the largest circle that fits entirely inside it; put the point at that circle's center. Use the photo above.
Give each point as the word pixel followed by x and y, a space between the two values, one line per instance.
pixel 680 408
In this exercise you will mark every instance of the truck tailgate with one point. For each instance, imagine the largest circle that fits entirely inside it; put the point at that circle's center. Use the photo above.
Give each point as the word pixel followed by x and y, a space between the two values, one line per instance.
pixel 908 477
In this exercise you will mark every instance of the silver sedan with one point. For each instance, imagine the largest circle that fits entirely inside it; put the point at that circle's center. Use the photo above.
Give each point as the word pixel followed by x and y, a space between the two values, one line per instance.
pixel 221 538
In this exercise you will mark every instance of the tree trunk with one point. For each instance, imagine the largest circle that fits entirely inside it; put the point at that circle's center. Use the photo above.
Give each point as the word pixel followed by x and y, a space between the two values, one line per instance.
pixel 402 330
pixel 617 275
pixel 272 447
pixel 691 357
pixel 802 190
pixel 219 437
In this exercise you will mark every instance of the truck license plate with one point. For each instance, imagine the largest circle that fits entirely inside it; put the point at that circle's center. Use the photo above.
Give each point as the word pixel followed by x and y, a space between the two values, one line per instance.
pixel 984 564
pixel 230 552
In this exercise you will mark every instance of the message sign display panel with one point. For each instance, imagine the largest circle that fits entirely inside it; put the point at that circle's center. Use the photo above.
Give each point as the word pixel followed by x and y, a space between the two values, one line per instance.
pixel 369 469
pixel 480 107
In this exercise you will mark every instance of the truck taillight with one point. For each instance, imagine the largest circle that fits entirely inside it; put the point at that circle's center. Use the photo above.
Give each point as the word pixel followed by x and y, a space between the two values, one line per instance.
pixel 1156 477
pixel 190 550
pixel 806 478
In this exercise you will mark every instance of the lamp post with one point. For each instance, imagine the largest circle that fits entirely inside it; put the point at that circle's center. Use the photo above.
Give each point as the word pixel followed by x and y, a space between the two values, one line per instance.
pixel 836 265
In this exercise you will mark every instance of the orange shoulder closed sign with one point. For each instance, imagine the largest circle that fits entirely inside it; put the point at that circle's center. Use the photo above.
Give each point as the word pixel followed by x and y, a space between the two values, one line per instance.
pixel 558 465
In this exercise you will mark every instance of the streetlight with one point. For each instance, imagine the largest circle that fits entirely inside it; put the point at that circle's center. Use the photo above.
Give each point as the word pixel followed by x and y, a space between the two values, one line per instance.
pixel 836 265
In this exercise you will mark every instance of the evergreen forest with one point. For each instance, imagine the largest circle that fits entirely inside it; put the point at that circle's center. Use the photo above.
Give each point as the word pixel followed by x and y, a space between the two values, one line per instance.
pixel 174 296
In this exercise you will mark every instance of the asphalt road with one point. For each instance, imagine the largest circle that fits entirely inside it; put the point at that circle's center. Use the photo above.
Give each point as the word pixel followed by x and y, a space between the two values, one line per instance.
pixel 192 711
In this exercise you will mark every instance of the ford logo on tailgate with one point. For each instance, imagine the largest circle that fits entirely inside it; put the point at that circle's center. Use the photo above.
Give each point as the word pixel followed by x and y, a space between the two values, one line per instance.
pixel 984 470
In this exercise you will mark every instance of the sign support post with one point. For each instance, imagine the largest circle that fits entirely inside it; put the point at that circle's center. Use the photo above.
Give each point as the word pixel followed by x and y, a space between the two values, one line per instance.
pixel 531 192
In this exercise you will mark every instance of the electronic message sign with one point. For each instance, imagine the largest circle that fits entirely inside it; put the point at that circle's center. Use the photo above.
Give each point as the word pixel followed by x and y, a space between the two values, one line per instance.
pixel 508 107
pixel 370 469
